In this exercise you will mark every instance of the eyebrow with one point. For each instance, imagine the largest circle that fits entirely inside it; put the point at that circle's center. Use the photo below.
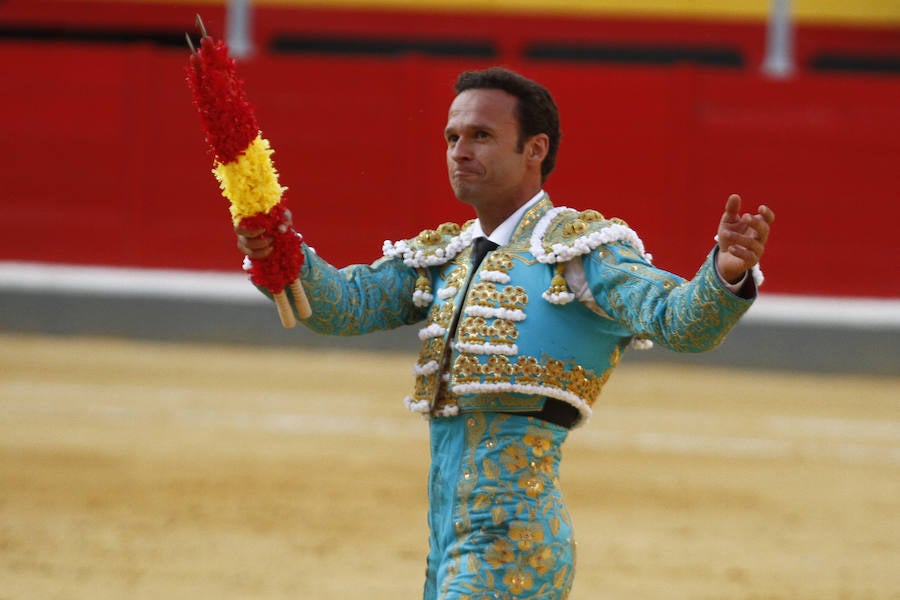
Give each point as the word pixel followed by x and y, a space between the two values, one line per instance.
pixel 472 127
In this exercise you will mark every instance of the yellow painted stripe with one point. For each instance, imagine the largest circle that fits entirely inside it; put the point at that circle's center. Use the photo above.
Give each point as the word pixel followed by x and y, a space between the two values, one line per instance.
pixel 862 12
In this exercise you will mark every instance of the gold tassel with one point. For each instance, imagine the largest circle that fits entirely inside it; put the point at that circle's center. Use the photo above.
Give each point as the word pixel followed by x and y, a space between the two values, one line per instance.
pixel 558 285
pixel 422 296
pixel 559 290
pixel 423 283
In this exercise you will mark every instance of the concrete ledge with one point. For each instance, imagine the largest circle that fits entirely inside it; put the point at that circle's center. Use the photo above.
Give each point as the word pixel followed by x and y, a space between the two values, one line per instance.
pixel 779 332
pixel 753 343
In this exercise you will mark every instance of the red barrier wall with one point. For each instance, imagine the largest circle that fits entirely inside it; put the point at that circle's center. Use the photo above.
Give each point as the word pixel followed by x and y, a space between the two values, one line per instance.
pixel 103 161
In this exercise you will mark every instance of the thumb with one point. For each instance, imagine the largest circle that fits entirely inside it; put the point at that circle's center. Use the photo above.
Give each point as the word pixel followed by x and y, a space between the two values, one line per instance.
pixel 732 209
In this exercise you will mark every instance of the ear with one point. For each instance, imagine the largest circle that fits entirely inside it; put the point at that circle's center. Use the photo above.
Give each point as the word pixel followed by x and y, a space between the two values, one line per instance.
pixel 537 147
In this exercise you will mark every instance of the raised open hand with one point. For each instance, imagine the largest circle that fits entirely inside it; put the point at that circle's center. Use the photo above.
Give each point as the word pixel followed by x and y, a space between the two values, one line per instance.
pixel 742 238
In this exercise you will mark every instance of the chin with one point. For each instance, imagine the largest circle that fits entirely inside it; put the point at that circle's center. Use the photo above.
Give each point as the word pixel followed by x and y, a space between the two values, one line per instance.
pixel 464 193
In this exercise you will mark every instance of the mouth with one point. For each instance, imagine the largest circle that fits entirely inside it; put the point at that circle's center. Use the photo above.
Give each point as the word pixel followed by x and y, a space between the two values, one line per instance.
pixel 465 173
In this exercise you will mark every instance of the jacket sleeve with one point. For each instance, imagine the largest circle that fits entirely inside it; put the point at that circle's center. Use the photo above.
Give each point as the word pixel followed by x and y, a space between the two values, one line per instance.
pixel 651 303
pixel 358 299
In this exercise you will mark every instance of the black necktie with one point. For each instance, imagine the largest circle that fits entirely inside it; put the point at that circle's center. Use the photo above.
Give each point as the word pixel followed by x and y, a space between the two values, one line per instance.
pixel 480 248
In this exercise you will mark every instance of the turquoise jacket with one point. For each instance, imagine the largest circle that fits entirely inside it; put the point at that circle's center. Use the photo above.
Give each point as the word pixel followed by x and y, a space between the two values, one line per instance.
pixel 547 315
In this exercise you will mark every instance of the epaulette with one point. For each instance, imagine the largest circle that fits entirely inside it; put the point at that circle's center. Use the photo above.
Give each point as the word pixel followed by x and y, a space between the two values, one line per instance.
pixel 432 247
pixel 564 233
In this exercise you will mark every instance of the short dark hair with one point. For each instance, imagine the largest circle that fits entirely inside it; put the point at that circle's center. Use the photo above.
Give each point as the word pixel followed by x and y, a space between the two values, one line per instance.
pixel 535 110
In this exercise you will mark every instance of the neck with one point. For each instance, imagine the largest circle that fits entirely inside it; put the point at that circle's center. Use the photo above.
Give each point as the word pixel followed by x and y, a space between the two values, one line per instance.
pixel 490 223
pixel 492 216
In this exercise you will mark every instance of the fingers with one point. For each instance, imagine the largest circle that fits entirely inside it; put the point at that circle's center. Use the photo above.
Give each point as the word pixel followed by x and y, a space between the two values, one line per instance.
pixel 760 222
pixel 253 243
pixel 733 221
pixel 287 221
pixel 747 238
pixel 256 247
pixel 732 209
pixel 257 243
pixel 248 233
pixel 745 245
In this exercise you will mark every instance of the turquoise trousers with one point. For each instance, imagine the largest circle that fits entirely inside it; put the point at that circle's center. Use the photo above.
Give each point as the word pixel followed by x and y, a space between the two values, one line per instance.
pixel 498 525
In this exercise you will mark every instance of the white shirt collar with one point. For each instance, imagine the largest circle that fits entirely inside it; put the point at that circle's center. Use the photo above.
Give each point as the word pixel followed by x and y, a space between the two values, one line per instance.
pixel 504 231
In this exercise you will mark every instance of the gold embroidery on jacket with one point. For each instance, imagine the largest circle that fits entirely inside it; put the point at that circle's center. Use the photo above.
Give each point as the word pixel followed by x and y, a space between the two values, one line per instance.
pixel 498 261
pixel 457 277
pixel 483 293
pixel 475 330
pixel 527 370
pixel 441 314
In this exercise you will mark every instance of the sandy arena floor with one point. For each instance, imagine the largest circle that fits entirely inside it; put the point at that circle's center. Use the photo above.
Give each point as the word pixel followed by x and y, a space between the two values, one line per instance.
pixel 147 471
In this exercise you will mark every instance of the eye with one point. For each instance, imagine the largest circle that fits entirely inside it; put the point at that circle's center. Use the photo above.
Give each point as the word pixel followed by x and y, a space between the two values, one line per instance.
pixel 482 135
pixel 451 138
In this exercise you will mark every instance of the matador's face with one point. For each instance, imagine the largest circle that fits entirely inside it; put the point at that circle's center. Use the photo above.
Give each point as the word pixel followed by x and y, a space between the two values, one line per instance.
pixel 485 162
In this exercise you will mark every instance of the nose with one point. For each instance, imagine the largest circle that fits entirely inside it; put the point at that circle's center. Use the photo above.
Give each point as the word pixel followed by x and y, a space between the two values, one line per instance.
pixel 460 150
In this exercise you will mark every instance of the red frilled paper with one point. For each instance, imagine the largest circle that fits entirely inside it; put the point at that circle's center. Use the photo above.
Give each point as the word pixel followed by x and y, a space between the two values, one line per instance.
pixel 243 166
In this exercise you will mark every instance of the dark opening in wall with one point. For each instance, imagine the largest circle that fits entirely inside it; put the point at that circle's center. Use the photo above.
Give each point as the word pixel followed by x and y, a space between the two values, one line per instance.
pixel 70 35
pixel 301 44
pixel 636 54
pixel 859 63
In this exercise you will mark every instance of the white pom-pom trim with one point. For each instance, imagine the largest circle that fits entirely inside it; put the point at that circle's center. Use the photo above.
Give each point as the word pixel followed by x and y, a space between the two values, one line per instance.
pixel 422 299
pixel 495 313
pixel 561 253
pixel 429 368
pixel 432 331
pixel 422 406
pixel 640 344
pixel 758 277
pixel 508 350
pixel 494 276
pixel 447 292
pixel 536 390
pixel 562 298
pixel 418 259
pixel 448 411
